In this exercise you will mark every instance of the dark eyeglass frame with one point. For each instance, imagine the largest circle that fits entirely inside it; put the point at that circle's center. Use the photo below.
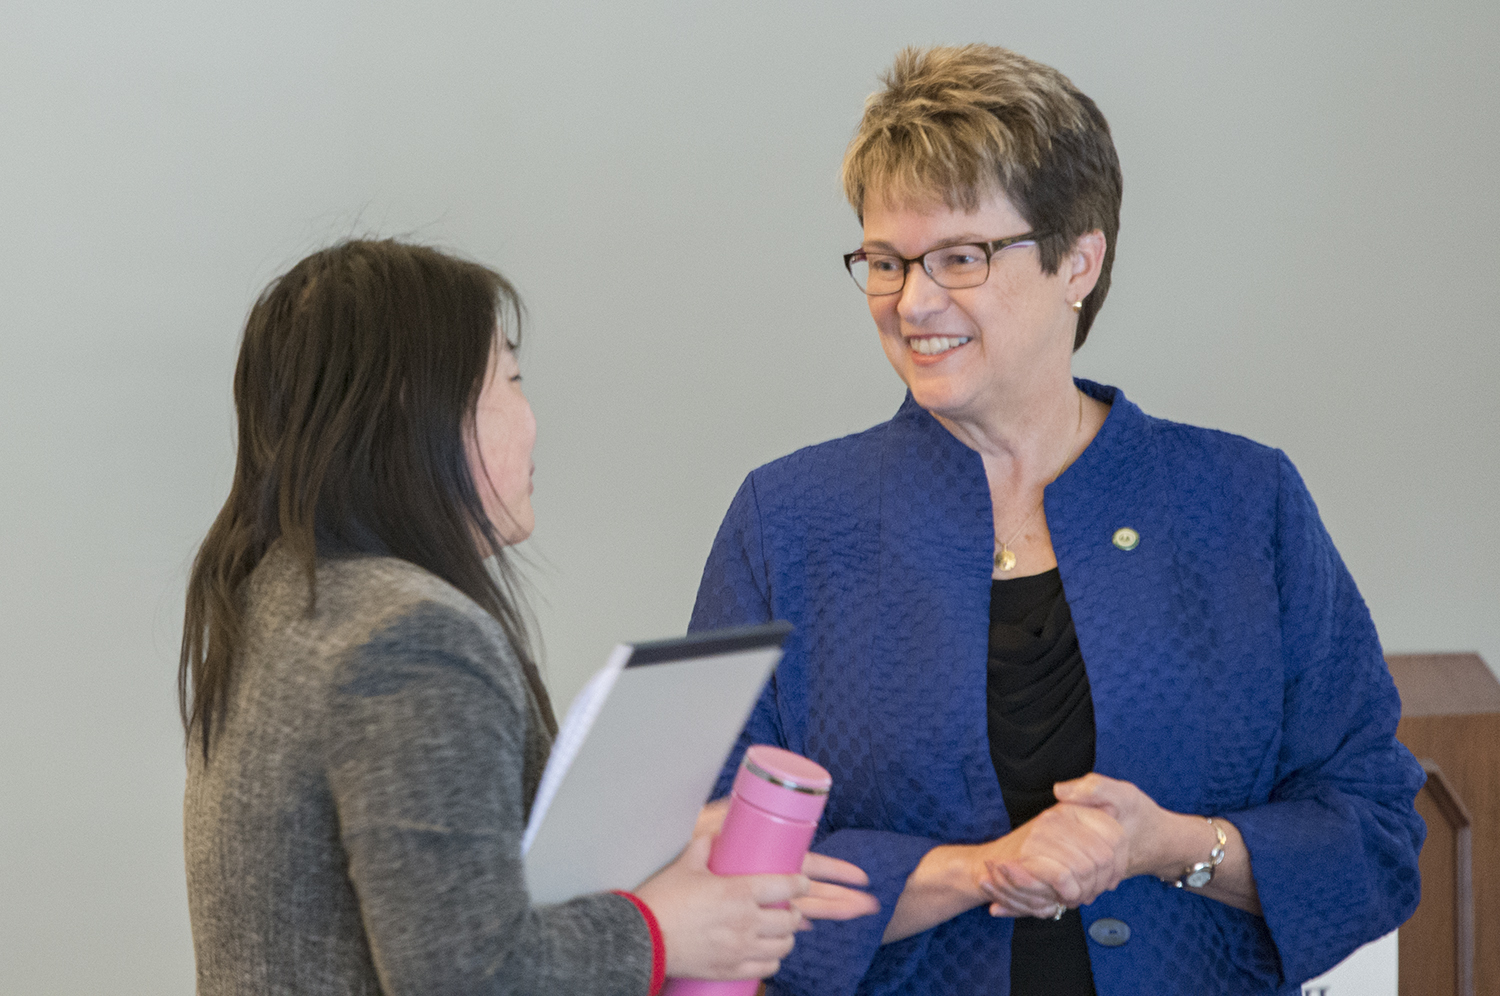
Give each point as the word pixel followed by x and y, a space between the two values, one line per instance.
pixel 990 249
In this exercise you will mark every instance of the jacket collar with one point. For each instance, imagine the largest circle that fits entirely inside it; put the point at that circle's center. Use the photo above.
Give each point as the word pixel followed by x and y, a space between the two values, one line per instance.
pixel 933 579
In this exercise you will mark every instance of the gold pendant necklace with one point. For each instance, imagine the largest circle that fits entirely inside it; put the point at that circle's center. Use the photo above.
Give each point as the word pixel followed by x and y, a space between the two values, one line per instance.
pixel 1005 557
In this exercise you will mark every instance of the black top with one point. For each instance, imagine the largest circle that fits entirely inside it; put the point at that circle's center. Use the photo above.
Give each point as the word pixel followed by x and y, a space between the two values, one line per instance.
pixel 1041 724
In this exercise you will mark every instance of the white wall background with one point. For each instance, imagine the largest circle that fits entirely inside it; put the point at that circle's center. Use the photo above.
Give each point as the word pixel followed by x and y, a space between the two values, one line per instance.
pixel 1308 257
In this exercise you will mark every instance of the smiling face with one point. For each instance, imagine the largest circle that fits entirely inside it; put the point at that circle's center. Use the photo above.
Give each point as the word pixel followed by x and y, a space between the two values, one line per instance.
pixel 499 450
pixel 963 352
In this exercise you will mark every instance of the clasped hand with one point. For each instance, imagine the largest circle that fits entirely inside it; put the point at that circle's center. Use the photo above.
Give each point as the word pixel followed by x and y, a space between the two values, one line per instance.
pixel 1094 838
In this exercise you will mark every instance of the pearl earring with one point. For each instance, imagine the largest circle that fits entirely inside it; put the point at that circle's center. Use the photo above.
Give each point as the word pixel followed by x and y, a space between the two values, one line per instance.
pixel 1078 305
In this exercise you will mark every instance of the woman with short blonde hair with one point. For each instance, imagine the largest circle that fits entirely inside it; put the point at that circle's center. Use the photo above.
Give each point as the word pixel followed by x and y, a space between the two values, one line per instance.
pixel 1105 709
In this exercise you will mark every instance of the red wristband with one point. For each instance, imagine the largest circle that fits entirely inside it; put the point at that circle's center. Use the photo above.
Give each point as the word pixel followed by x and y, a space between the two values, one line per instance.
pixel 658 946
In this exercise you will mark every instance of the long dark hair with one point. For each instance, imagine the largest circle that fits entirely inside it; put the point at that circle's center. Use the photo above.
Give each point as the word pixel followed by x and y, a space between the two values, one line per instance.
pixel 355 388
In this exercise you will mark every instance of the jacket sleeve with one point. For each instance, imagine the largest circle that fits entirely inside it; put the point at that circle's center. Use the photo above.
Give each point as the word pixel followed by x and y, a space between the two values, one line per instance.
pixel 426 747
pixel 738 588
pixel 736 591
pixel 1334 849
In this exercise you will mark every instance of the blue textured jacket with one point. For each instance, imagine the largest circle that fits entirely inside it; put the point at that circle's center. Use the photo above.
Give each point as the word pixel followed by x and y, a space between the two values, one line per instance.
pixel 1235 672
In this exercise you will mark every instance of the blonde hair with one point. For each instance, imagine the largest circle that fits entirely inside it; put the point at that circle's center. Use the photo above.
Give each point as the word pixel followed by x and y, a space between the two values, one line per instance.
pixel 957 125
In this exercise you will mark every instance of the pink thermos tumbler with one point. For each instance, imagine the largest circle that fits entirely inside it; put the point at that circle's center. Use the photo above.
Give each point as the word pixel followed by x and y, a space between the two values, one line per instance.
pixel 774 808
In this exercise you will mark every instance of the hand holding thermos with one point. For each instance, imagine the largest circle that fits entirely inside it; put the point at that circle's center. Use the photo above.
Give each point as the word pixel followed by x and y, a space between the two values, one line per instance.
pixel 773 812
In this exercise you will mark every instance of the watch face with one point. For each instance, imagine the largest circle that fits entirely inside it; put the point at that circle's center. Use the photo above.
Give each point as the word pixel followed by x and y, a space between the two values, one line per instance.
pixel 1199 876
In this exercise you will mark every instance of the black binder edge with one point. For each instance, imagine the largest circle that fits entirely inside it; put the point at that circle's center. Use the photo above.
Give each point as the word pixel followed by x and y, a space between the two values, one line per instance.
pixel 708 643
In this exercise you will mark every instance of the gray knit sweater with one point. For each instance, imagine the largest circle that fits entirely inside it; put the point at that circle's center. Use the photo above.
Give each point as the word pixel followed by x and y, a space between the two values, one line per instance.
pixel 357 826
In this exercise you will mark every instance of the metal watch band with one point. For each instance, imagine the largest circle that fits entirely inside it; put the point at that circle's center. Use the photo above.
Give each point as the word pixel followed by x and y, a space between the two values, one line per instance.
pixel 1198 875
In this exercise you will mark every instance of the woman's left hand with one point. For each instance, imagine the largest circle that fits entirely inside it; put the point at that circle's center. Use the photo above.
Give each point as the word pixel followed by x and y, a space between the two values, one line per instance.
pixel 711 818
pixel 828 898
pixel 1024 887
pixel 1155 841
pixel 1136 812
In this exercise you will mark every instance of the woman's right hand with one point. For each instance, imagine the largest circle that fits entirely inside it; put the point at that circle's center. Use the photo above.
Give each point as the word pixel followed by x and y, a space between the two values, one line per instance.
pixel 1067 854
pixel 722 927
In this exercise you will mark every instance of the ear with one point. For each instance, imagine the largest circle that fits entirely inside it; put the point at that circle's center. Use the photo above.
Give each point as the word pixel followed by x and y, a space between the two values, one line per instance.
pixel 1083 264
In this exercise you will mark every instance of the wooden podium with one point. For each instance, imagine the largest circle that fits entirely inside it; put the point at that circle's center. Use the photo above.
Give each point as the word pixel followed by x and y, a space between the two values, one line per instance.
pixel 1450 719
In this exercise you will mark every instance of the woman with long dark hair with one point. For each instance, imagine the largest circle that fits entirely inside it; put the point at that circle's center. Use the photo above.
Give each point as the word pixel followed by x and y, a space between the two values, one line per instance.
pixel 366 723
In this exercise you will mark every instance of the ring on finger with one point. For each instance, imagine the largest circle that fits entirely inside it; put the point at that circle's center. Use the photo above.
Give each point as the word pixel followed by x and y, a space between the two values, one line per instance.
pixel 1061 909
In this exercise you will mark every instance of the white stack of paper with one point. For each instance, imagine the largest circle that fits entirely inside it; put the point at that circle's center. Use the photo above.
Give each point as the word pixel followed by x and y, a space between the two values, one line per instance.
pixel 637 755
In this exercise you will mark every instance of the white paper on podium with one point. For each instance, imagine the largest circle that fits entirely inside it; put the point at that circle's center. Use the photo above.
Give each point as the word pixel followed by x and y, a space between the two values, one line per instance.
pixel 637 755
pixel 1369 971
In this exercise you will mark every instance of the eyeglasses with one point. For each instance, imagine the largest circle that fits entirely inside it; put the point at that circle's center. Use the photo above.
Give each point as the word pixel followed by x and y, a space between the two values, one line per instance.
pixel 953 267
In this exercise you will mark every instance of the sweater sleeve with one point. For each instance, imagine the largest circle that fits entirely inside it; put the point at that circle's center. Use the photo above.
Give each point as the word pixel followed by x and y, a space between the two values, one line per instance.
pixel 737 589
pixel 426 749
pixel 1334 849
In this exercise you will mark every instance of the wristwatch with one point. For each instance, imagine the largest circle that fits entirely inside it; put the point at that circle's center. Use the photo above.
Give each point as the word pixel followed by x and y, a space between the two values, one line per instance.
pixel 1198 875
